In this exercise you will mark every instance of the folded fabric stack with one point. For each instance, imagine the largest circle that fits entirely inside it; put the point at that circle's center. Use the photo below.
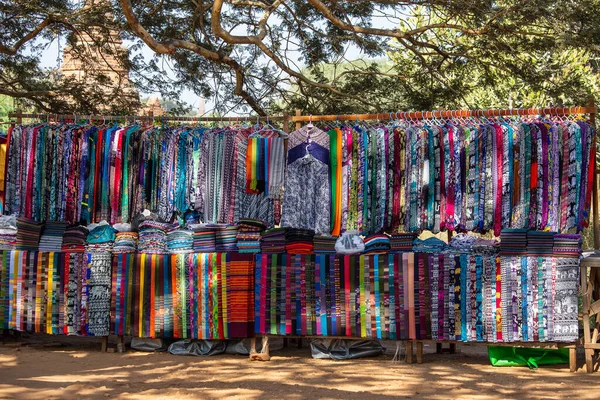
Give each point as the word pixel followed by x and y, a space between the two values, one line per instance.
pixel 377 244
pixel 100 239
pixel 484 247
pixel 204 238
pixel 28 234
pixel 125 242
pixel 52 236
pixel 248 236
pixel 226 238
pixel 74 239
pixel 460 243
pixel 513 242
pixel 402 242
pixel 153 237
pixel 180 241
pixel 431 245
pixel 8 232
pixel 299 241
pixel 540 244
pixel 272 241
pixel 567 245
pixel 325 244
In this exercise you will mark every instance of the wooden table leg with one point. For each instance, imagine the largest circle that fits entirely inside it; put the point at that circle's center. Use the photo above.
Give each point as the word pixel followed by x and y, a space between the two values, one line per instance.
pixel 438 348
pixel 452 348
pixel 252 345
pixel 121 344
pixel 573 359
pixel 104 344
pixel 419 352
pixel 409 351
pixel 589 353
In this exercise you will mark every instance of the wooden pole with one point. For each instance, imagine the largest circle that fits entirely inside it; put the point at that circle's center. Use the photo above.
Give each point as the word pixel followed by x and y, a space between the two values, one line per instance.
pixel 596 189
pixel 298 115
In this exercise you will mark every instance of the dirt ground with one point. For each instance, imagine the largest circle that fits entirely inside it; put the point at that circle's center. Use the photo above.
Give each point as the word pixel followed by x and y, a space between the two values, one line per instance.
pixel 44 370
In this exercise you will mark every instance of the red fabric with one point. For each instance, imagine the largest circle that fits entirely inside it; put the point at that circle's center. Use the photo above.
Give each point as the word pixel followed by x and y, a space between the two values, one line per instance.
pixel 499 160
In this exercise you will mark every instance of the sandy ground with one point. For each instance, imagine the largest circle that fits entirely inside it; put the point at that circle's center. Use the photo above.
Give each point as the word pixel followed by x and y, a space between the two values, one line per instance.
pixel 30 370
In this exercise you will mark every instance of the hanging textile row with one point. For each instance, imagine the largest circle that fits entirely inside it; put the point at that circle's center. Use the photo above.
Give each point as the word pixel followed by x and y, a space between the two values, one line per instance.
pixel 456 174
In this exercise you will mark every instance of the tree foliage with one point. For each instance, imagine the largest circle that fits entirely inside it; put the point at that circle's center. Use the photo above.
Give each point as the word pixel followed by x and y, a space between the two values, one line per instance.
pixel 268 55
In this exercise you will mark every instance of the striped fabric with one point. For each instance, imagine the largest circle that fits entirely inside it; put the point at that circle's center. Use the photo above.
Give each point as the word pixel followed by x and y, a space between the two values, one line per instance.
pixel 350 296
pixel 195 295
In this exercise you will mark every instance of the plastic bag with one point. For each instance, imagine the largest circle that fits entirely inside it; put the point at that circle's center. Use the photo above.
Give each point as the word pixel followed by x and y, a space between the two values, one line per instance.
pixel 341 349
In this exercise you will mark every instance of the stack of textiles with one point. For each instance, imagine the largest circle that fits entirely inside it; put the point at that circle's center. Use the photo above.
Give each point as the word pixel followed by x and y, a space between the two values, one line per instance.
pixel 272 241
pixel 513 242
pixel 402 242
pixel 299 241
pixel 8 232
pixel 153 237
pixel 248 236
pixel 461 243
pixel 377 244
pixel 567 245
pixel 540 244
pixel 325 244
pixel 205 238
pixel 431 245
pixel 180 241
pixel 74 239
pixel 125 242
pixel 52 236
pixel 225 239
pixel 486 247
pixel 100 239
pixel 28 234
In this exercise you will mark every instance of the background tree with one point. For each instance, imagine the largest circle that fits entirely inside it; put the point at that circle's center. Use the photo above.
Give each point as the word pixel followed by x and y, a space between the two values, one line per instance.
pixel 268 55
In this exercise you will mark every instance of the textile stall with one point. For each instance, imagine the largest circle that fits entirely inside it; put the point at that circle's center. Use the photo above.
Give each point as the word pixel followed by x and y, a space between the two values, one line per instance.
pixel 237 230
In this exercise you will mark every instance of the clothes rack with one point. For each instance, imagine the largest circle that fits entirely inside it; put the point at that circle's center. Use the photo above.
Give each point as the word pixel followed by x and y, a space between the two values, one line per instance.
pixel 299 119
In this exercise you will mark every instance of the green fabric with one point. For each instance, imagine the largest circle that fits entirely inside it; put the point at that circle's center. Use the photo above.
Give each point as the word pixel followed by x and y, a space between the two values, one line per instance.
pixel 333 146
pixel 505 356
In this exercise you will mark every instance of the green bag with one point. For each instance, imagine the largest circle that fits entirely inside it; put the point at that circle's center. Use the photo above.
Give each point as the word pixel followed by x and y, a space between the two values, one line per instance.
pixel 504 356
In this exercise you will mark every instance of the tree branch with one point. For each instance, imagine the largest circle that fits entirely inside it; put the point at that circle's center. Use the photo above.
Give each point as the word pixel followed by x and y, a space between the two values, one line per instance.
pixel 11 51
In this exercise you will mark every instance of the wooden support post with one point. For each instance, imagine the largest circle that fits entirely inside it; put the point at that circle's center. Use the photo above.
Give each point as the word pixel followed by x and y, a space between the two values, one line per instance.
pixel 409 351
pixel 252 345
pixel 298 123
pixel 285 343
pixel 438 348
pixel 589 353
pixel 121 344
pixel 596 189
pixel 452 348
pixel 265 345
pixel 419 352
pixel 299 343
pixel 573 358
pixel 104 345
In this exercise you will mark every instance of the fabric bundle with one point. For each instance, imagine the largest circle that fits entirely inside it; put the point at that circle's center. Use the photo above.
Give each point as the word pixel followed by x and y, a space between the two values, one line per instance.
pixel 273 241
pixel 125 242
pixel 153 237
pixel 100 239
pixel 248 236
pixel 513 242
pixel 204 238
pixel 377 244
pixel 402 242
pixel 299 241
pixel 74 239
pixel 324 244
pixel 188 296
pixel 486 247
pixel 461 243
pixel 52 236
pixel 430 245
pixel 180 241
pixel 226 238
pixel 8 232
pixel 28 234
pixel 567 245
pixel 540 244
